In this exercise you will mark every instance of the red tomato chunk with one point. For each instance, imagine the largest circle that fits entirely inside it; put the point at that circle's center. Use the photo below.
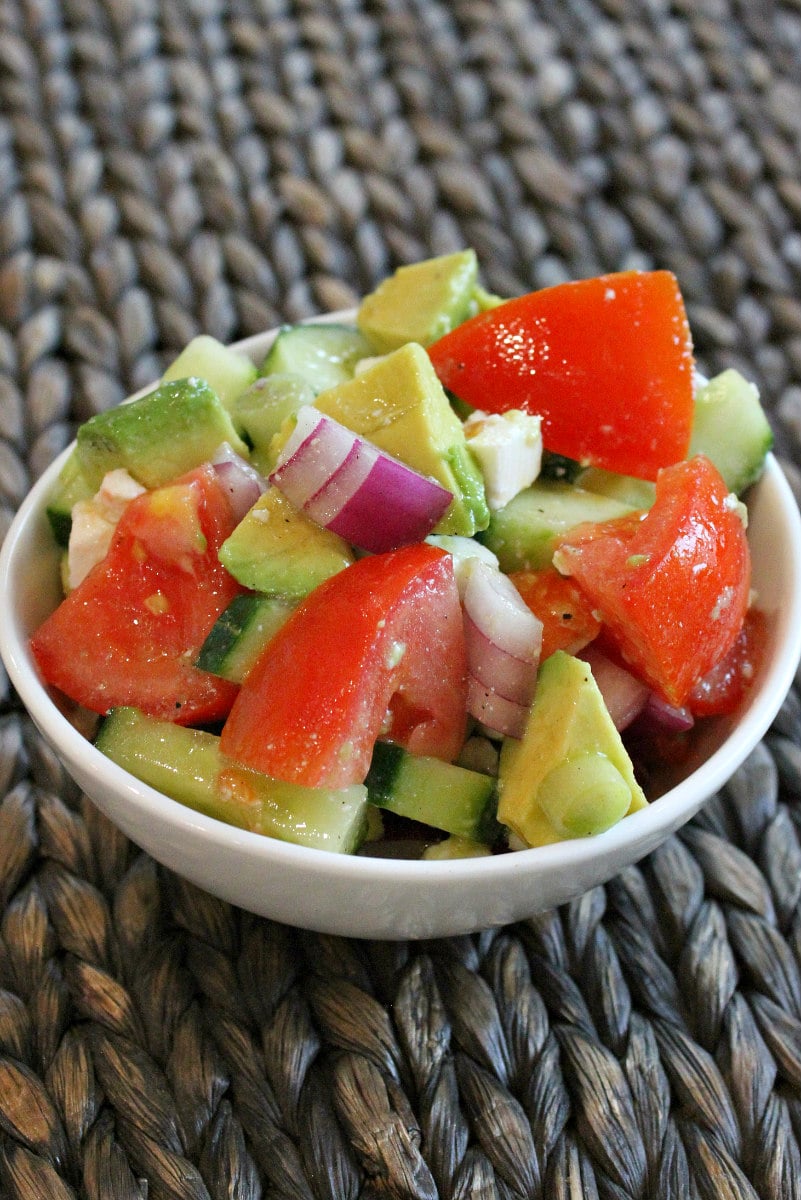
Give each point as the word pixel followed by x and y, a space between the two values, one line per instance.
pixel 606 362
pixel 376 649
pixel 672 587
pixel 131 631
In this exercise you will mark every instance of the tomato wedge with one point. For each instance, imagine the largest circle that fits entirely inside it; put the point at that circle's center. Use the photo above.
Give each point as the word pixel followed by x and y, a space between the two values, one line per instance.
pixel 672 587
pixel 376 649
pixel 130 632
pixel 568 621
pixel 606 362
pixel 722 689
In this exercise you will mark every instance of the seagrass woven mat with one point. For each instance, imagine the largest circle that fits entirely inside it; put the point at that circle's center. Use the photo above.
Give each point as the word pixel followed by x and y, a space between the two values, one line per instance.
pixel 167 169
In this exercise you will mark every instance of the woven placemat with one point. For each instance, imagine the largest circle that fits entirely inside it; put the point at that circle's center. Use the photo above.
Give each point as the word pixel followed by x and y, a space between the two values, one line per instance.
pixel 199 165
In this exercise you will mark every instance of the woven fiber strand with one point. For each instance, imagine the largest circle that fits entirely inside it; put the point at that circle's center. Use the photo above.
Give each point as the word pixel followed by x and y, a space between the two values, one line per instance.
pixel 200 166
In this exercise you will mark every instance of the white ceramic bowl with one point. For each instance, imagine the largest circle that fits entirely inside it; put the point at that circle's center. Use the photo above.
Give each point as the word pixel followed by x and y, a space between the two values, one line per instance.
pixel 383 898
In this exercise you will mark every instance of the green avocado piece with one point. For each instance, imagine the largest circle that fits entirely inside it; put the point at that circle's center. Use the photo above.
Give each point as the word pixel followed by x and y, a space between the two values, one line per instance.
pixel 400 405
pixel 278 550
pixel 730 427
pixel 226 371
pixel 158 437
pixel 524 533
pixel 570 774
pixel 422 302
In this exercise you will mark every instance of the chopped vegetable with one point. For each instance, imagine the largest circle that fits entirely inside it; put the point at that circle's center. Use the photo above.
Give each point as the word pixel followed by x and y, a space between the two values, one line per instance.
pixel 427 595
pixel 672 586
pixel 503 640
pixel 376 649
pixel 130 632
pixel 606 363
pixel 349 486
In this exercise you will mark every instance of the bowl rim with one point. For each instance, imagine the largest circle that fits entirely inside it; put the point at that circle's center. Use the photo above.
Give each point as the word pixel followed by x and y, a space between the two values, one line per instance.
pixel 645 828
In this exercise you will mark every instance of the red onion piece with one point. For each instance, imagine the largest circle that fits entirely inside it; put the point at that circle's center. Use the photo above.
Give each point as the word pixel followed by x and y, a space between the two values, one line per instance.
pixel 495 712
pixel 660 714
pixel 393 507
pixel 510 677
pixel 499 611
pixel 503 639
pixel 314 451
pixel 625 696
pixel 353 488
pixel 349 476
pixel 242 482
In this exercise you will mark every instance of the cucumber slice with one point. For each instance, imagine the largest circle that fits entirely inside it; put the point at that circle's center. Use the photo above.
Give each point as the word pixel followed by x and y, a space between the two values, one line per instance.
pixel 638 493
pixel 524 534
pixel 731 429
pixel 433 792
pixel 322 355
pixel 240 633
pixel 186 764
pixel 226 371
pixel 262 409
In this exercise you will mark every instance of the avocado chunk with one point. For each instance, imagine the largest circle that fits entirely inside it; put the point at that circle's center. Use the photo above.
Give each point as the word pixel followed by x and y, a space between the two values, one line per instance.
pixel 570 774
pixel 731 429
pixel 157 437
pixel 277 550
pixel 524 533
pixel 400 405
pixel 226 371
pixel 421 302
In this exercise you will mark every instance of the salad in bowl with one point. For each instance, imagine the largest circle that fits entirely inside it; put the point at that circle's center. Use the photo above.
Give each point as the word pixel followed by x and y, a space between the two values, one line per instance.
pixel 443 599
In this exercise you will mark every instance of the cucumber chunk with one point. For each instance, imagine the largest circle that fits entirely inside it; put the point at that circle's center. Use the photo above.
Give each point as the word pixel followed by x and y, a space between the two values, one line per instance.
pixel 433 792
pixel 186 764
pixel 262 409
pixel 240 633
pixel 636 493
pixel 524 534
pixel 322 355
pixel 731 429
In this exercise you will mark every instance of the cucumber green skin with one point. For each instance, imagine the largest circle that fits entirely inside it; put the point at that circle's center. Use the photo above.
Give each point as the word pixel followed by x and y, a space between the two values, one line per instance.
pixel 323 355
pixel 186 764
pixel 240 633
pixel 433 792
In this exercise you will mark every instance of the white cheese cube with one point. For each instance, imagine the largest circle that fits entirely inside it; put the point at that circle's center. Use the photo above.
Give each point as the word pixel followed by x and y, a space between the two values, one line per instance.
pixel 508 449
pixel 94 522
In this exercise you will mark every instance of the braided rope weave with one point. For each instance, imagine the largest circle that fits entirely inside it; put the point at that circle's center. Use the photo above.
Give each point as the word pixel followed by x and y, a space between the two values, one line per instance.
pixel 197 165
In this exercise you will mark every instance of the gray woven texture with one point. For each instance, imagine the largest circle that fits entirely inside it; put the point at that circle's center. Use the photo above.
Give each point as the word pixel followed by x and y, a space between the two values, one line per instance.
pixel 167 169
